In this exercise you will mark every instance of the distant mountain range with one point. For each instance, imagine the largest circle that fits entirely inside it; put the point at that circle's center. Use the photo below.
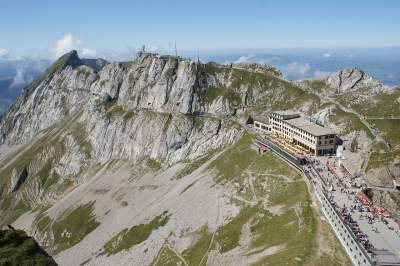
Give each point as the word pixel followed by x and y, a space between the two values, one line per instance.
pixel 14 75
pixel 382 64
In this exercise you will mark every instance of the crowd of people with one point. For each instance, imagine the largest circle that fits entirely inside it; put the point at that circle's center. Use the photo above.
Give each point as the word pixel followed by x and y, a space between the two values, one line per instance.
pixel 361 236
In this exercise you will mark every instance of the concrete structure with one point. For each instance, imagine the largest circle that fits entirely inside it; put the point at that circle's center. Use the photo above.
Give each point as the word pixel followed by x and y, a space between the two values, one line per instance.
pixel 262 124
pixel 332 197
pixel 300 131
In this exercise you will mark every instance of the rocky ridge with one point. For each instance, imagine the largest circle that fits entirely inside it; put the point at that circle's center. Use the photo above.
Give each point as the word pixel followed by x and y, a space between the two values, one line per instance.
pixel 89 130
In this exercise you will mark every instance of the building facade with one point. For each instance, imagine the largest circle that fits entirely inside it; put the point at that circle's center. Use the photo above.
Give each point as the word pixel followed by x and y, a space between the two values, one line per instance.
pixel 317 139
pixel 262 124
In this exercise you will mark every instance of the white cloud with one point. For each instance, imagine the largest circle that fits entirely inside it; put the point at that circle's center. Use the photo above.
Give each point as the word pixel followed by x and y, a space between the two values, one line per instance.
pixel 326 55
pixel 3 52
pixel 296 70
pixel 321 74
pixel 244 59
pixel 21 78
pixel 65 44
pixel 88 52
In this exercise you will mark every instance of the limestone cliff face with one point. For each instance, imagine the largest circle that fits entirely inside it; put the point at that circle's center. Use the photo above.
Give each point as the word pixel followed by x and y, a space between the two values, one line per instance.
pixel 350 79
pixel 146 107
pixel 82 112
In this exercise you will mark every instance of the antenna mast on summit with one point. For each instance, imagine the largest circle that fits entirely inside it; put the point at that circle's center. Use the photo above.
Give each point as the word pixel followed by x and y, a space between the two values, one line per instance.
pixel 176 51
pixel 198 57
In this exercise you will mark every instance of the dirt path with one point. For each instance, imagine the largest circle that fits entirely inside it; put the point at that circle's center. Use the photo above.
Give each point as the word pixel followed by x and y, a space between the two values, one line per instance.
pixel 213 235
pixel 375 133
pixel 178 255
pixel 299 217
pixel 251 184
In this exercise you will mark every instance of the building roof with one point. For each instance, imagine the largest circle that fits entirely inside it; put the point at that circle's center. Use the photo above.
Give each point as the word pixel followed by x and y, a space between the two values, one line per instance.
pixel 310 127
pixel 262 119
pixel 286 113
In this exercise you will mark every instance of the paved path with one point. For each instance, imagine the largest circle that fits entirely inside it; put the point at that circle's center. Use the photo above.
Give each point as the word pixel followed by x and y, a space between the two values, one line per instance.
pixel 382 117
pixel 375 133
pixel 385 238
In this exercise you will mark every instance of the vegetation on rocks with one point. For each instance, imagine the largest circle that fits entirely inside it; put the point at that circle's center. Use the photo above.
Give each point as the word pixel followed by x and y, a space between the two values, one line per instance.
pixel 16 248
pixel 153 164
pixel 135 235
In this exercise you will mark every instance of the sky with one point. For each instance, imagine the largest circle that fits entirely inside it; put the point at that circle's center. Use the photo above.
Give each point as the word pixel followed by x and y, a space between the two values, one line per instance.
pixel 117 28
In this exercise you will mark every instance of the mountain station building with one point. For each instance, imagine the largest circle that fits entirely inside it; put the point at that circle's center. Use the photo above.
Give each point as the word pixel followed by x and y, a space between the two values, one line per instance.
pixel 292 127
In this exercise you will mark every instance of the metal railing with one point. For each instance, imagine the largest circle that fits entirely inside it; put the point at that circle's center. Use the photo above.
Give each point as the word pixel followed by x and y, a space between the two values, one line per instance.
pixel 324 201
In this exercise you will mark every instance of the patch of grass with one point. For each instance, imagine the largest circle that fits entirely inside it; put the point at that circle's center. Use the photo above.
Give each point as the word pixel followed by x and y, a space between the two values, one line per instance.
pixel 25 157
pixel 128 115
pixel 85 262
pixel 82 138
pixel 351 122
pixel 317 86
pixel 153 164
pixel 49 72
pixel 101 191
pixel 42 222
pixel 126 64
pixel 297 236
pixel 198 123
pixel 127 238
pixel 73 227
pixel 82 71
pixel 14 211
pixel 390 129
pixel 211 68
pixel 194 254
pixel 192 166
pixel 381 104
pixel 166 257
pixel 295 230
pixel 114 111
pixel 380 159
pixel 212 93
pixel 228 235
pixel 188 186
pixel 47 178
pixel 238 157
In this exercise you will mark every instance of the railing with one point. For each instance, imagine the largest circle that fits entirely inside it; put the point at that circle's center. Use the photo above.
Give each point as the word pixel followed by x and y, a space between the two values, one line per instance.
pixel 365 259
pixel 327 204
pixel 280 152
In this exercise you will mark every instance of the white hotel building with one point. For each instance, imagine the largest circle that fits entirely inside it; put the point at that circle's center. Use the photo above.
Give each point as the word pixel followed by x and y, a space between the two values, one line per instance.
pixel 300 131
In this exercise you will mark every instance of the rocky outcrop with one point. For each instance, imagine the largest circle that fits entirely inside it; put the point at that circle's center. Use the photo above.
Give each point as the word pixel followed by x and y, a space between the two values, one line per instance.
pixel 82 113
pixel 351 78
pixel 18 178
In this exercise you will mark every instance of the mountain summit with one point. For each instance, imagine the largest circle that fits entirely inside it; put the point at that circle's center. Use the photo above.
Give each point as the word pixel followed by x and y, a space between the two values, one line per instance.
pixel 150 161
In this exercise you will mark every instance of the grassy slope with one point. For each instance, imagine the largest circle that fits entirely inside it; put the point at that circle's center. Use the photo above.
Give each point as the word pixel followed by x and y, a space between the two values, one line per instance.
pixel 381 104
pixel 127 238
pixel 233 166
pixel 69 229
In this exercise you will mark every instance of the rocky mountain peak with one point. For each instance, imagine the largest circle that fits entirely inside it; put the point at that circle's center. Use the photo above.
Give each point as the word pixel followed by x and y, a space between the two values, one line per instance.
pixel 72 58
pixel 351 78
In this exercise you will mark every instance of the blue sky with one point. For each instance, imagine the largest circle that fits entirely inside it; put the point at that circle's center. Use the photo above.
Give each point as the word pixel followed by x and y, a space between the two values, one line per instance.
pixel 29 27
